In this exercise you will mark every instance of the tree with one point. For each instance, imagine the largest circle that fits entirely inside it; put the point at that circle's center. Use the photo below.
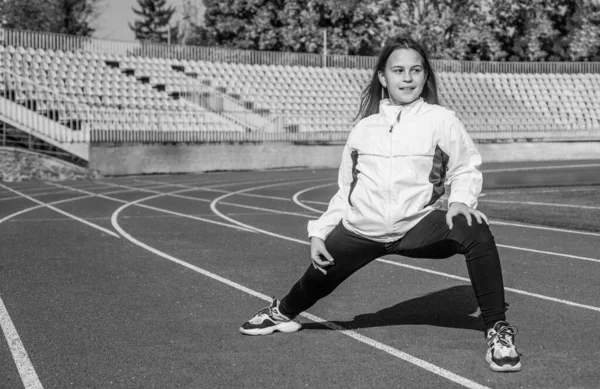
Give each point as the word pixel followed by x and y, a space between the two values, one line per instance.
pixel 155 24
pixel 26 14
pixel 537 30
pixel 60 16
pixel 448 29
pixel 585 39
pixel 73 16
pixel 293 25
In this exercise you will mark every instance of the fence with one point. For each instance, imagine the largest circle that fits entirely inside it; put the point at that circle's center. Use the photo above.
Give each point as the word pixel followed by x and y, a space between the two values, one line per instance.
pixel 52 41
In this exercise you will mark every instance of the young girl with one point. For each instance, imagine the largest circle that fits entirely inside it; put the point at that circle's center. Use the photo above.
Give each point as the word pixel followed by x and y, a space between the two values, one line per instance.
pixel 394 167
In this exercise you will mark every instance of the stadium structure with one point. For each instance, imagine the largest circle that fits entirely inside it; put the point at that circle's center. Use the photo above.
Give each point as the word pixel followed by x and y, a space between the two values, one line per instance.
pixel 71 95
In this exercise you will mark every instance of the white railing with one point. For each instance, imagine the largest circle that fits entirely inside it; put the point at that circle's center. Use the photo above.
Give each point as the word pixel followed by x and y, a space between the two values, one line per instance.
pixel 52 41
pixel 41 110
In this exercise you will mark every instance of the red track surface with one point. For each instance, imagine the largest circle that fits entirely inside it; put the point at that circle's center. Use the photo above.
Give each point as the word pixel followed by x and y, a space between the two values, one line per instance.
pixel 153 297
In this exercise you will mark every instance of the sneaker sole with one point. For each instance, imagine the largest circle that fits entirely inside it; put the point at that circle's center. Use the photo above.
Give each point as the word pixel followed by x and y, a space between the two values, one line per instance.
pixel 288 327
pixel 505 368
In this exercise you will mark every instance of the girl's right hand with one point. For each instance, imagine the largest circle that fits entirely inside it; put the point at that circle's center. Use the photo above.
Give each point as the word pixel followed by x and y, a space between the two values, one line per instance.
pixel 319 255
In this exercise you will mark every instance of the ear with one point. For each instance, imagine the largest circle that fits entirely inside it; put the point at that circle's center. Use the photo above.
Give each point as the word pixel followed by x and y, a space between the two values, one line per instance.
pixel 382 80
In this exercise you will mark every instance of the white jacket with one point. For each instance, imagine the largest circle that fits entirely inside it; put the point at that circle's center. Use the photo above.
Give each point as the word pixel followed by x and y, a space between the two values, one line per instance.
pixel 394 168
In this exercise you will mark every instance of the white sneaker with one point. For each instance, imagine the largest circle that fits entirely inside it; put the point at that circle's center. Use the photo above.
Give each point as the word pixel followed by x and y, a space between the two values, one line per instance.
pixel 268 320
pixel 502 356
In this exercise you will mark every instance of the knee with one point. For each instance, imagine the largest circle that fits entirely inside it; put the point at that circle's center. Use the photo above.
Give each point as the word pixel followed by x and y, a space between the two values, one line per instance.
pixel 476 234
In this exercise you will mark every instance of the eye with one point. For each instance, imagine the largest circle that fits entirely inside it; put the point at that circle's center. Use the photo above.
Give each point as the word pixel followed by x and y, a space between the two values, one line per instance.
pixel 416 70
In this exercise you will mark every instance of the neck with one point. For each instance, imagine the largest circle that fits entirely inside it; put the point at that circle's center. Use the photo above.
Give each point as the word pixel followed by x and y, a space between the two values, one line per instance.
pixel 401 104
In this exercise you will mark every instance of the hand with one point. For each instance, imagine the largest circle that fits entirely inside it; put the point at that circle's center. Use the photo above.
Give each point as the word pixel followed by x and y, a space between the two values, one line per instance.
pixel 462 209
pixel 319 254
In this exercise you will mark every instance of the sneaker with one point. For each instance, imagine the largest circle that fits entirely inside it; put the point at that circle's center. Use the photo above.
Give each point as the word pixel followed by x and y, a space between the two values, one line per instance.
pixel 268 320
pixel 502 355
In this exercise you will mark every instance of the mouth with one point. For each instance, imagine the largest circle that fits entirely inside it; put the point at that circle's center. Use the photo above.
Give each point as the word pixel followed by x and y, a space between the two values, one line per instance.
pixel 407 89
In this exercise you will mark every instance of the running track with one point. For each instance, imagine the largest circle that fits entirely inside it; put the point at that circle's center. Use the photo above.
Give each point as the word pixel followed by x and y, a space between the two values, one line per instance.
pixel 142 282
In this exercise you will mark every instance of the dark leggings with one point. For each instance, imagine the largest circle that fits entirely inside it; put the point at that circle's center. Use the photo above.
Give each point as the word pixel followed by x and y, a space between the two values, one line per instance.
pixel 430 238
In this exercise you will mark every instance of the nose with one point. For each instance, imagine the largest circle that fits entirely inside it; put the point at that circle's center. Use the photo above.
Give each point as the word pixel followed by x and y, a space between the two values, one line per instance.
pixel 406 76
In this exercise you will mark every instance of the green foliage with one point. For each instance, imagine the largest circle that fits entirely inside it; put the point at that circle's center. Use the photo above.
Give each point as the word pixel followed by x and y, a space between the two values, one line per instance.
pixel 154 25
pixel 60 16
pixel 293 25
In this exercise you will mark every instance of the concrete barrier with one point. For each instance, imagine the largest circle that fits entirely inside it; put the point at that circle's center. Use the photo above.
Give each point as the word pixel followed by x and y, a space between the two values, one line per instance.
pixel 126 159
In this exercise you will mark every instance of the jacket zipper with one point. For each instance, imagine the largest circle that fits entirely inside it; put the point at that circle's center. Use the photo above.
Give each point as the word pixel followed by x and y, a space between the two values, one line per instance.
pixel 390 173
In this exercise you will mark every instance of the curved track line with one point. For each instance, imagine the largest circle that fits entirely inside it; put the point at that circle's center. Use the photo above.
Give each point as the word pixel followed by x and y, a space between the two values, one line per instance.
pixel 566 302
pixel 298 202
pixel 361 338
pixel 213 207
pixel 20 356
pixel 109 232
pixel 160 194
pixel 502 223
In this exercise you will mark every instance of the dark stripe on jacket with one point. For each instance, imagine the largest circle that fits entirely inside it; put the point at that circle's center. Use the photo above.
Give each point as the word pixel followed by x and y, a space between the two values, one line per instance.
pixel 437 176
pixel 354 156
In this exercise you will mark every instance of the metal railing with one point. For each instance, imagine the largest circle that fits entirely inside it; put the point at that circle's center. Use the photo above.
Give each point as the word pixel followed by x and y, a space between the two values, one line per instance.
pixel 52 41
pixel 42 111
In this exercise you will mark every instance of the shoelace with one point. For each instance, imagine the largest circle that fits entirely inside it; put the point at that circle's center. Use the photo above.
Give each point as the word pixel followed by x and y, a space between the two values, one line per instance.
pixel 504 335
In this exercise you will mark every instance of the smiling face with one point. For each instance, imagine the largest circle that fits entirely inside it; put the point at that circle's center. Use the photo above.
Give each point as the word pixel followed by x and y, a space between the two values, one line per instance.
pixel 404 76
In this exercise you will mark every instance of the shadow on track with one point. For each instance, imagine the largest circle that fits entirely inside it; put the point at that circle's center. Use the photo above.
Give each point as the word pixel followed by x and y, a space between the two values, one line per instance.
pixel 455 307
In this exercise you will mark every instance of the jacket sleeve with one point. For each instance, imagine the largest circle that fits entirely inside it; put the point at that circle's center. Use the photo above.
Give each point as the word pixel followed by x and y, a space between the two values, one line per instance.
pixel 321 227
pixel 463 176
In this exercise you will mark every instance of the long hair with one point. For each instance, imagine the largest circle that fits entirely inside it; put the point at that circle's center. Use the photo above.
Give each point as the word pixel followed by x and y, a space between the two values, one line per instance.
pixel 372 94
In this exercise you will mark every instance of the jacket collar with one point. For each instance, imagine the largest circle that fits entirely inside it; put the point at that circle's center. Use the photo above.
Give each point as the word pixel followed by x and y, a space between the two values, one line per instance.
pixel 389 112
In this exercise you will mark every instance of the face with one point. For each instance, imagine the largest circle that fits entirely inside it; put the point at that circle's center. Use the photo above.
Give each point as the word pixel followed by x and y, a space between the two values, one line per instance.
pixel 403 76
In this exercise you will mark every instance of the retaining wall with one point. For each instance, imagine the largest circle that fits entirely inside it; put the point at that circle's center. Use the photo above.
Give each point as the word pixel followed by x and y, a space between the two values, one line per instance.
pixel 126 159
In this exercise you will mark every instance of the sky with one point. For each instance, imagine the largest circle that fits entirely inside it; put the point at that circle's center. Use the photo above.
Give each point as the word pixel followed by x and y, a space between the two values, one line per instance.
pixel 114 16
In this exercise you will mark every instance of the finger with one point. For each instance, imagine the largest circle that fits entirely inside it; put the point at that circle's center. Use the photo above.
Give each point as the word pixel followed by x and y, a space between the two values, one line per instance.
pixel 327 256
pixel 477 216
pixel 485 218
pixel 322 255
pixel 468 217
pixel 321 261
pixel 449 220
pixel 319 268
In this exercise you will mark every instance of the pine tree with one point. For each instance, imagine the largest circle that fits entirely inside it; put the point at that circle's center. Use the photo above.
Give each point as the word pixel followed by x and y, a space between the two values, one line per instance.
pixel 155 23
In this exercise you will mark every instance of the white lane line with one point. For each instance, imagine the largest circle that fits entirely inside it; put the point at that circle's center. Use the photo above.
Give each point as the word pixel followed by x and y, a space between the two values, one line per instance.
pixel 154 208
pixel 533 191
pixel 253 194
pixel 66 191
pixel 361 338
pixel 90 195
pixel 189 189
pixel 501 223
pixel 310 216
pixel 533 168
pixel 213 207
pixel 109 232
pixel 535 227
pixel 24 366
pixel 518 291
pixel 301 204
pixel 538 203
pixel 549 253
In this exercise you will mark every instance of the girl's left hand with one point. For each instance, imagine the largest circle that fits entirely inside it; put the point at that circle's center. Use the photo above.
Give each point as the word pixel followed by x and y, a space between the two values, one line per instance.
pixel 462 209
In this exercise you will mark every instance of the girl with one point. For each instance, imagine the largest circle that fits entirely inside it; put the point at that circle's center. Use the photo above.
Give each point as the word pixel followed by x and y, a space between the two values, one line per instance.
pixel 395 164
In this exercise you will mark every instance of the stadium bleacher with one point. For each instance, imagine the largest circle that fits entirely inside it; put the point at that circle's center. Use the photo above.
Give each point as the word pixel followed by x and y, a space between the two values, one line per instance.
pixel 107 92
